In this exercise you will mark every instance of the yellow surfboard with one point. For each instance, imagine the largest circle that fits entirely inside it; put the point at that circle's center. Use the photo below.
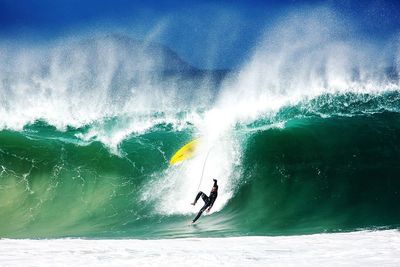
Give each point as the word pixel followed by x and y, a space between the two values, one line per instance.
pixel 184 152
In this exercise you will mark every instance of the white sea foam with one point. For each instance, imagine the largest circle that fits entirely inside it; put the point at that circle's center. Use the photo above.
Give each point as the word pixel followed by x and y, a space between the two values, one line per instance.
pixel 380 248
pixel 301 57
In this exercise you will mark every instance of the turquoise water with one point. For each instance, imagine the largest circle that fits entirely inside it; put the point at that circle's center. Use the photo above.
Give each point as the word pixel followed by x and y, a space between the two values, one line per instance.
pixel 325 164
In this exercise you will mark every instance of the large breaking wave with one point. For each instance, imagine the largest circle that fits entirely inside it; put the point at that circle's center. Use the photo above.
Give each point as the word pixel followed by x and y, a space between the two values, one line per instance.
pixel 304 137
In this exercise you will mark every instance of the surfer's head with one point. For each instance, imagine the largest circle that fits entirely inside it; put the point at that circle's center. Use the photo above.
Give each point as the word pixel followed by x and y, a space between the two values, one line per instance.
pixel 215 186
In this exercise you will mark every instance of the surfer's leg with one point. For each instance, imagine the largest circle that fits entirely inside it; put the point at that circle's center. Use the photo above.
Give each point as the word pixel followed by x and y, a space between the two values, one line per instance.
pixel 197 197
pixel 200 212
pixel 205 198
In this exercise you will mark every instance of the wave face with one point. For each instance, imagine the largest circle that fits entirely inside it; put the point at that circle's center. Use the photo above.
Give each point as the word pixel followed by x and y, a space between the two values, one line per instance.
pixel 307 174
pixel 300 138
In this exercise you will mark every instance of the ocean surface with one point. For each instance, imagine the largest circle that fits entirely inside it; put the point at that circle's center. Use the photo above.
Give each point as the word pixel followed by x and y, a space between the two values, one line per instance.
pixel 304 143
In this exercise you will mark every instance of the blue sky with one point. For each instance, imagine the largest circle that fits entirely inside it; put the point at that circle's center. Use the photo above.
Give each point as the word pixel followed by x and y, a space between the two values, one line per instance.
pixel 207 34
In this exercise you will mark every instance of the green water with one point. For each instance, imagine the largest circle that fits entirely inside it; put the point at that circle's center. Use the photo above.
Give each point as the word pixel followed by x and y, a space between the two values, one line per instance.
pixel 315 173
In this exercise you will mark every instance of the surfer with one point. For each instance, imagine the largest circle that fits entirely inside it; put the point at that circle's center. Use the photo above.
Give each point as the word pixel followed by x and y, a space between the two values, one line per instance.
pixel 208 201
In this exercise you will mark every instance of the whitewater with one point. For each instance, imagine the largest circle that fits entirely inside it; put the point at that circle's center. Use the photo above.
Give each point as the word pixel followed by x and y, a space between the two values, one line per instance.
pixel 304 139
pixel 345 249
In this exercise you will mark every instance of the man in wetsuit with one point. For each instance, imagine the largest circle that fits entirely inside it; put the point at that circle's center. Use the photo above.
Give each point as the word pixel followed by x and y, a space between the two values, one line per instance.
pixel 208 201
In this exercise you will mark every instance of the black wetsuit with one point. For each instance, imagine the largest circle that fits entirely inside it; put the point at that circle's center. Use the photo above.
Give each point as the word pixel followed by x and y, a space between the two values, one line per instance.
pixel 208 201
